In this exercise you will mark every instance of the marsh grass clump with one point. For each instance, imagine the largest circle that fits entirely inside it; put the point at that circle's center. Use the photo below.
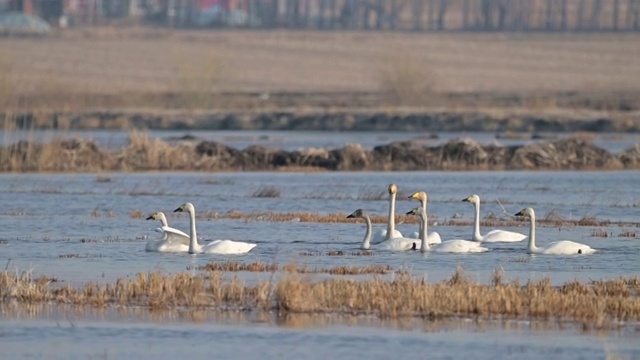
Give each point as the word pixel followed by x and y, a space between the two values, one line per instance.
pixel 266 192
pixel 588 221
pixel 628 234
pixel 236 266
pixel 405 80
pixel 299 217
pixel 103 178
pixel 338 253
pixel 600 233
pixel 136 214
pixel 259 266
pixel 371 193
pixel 596 304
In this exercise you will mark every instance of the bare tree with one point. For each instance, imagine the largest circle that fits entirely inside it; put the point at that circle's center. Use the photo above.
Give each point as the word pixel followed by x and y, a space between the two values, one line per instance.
pixel 442 12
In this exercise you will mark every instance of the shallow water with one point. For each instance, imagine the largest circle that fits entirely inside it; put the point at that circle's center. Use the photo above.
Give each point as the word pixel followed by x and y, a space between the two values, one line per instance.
pixel 48 216
pixel 61 333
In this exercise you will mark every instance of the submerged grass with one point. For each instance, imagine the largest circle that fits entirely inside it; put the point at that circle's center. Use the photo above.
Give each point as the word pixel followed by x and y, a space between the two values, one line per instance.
pixel 259 266
pixel 597 304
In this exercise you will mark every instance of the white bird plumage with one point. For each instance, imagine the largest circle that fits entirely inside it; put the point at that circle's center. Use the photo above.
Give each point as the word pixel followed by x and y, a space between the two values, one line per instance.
pixel 434 237
pixel 173 240
pixel 449 246
pixel 390 232
pixel 214 247
pixel 562 247
pixel 394 244
pixel 493 235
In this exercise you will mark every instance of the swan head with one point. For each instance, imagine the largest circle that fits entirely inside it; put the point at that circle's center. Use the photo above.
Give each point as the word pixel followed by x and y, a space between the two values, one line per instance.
pixel 474 199
pixel 393 189
pixel 528 212
pixel 359 213
pixel 154 216
pixel 420 195
pixel 186 207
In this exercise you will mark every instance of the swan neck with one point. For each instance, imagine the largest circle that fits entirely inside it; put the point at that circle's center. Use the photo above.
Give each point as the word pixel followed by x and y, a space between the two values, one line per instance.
pixel 366 242
pixel 476 223
pixel 193 236
pixel 391 223
pixel 423 232
pixel 163 219
pixel 532 234
pixel 424 207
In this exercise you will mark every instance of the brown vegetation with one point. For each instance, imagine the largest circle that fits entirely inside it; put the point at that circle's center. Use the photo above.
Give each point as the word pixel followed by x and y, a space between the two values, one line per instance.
pixel 146 154
pixel 598 304
pixel 600 233
pixel 186 69
pixel 259 266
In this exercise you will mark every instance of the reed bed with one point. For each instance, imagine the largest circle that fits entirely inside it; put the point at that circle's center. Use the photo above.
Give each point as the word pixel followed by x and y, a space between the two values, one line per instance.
pixel 339 217
pixel 338 253
pixel 597 304
pixel 259 266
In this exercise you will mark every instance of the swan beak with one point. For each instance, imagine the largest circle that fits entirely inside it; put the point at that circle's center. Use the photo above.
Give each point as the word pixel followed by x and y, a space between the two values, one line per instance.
pixel 409 213
pixel 178 209
pixel 413 196
pixel 150 218
pixel 519 213
pixel 467 199
pixel 350 216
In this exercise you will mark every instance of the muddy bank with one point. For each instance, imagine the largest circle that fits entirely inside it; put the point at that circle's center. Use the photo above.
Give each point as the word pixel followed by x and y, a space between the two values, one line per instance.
pixel 343 120
pixel 145 154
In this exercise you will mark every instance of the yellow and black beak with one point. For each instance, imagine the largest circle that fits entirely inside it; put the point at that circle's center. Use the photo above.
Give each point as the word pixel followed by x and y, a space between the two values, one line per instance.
pixel 151 217
pixel 178 209
pixel 519 213
pixel 468 199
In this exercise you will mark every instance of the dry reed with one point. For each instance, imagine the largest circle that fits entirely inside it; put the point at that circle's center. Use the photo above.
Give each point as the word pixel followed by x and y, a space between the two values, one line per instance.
pixel 598 304
pixel 628 233
pixel 259 266
pixel 266 192
pixel 600 233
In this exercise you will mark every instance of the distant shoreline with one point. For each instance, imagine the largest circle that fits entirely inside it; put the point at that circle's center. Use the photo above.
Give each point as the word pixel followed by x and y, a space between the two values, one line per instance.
pixel 325 120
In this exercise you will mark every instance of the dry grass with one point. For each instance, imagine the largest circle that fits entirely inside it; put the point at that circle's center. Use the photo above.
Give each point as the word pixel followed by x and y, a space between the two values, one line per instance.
pixel 600 233
pixel 599 304
pixel 136 214
pixel 338 253
pixel 259 266
pixel 629 234
pixel 299 216
pixel 405 80
pixel 103 178
pixel 266 192
pixel 182 69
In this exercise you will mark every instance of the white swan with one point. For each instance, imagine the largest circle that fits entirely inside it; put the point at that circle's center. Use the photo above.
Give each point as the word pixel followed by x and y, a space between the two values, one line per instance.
pixel 434 237
pixel 563 247
pixel 214 247
pixel 390 231
pixel 449 246
pixel 493 235
pixel 173 240
pixel 395 244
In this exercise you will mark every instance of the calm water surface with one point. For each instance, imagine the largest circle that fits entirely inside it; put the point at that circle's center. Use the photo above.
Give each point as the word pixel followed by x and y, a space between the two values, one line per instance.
pixel 62 334
pixel 47 216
